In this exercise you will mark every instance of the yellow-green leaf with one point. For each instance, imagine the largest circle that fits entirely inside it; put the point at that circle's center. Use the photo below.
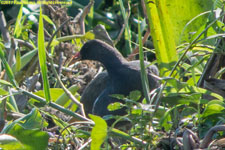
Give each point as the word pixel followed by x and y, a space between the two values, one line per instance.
pixel 42 57
pixel 98 133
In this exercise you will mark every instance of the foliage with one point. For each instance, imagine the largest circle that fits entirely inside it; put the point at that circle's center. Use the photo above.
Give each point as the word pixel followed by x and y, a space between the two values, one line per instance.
pixel 183 47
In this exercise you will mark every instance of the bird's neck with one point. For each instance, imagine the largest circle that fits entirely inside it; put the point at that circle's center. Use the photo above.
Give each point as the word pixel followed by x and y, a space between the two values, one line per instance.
pixel 110 58
pixel 113 63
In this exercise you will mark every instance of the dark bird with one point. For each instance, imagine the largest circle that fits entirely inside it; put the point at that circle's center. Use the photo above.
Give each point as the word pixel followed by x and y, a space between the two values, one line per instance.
pixel 121 77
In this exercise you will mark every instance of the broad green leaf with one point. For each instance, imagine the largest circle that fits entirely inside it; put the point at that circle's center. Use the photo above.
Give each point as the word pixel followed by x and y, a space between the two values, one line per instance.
pixel 32 139
pixel 180 17
pixel 135 95
pixel 63 99
pixel 55 94
pixel 182 98
pixel 9 142
pixel 163 34
pixel 98 133
pixel 33 120
pixel 214 107
pixel 42 58
pixel 3 92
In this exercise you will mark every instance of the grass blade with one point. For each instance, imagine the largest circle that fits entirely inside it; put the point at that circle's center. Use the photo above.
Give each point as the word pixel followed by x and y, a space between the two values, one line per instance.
pixel 42 57
pixel 8 69
pixel 144 78
pixel 18 28
pixel 127 28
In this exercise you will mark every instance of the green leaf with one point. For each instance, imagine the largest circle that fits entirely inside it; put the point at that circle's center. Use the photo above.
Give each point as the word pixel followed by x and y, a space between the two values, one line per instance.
pixel 98 133
pixel 144 78
pixel 25 59
pixel 5 83
pixel 55 94
pixel 33 120
pixel 32 139
pixel 3 92
pixel 135 95
pixel 18 60
pixel 165 120
pixel 214 107
pixel 9 142
pixel 175 83
pixel 18 27
pixel 114 106
pixel 42 58
pixel 8 69
pixel 88 36
pixel 162 32
pixel 182 98
pixel 48 20
pixel 63 99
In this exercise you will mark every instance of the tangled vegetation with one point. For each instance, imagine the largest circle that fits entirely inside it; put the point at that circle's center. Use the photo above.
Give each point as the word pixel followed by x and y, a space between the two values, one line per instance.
pixel 40 85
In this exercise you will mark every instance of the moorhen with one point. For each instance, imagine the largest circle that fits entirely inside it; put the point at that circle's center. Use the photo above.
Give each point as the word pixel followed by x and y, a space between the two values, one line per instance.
pixel 121 77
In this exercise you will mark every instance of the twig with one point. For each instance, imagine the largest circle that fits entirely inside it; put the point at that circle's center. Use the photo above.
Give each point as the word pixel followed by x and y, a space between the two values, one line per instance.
pixel 85 144
pixel 120 34
pixel 208 137
pixel 190 140
pixel 81 16
pixel 68 38
pixel 24 43
pixel 64 68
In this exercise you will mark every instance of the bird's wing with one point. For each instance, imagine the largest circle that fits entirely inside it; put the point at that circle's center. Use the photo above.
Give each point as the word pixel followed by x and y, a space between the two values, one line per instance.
pixel 100 107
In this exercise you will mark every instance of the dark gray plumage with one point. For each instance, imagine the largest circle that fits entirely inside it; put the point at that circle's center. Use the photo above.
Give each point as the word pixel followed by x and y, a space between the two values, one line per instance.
pixel 121 77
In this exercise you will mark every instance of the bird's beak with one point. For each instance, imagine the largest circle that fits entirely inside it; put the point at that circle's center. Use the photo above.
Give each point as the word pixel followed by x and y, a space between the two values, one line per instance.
pixel 75 58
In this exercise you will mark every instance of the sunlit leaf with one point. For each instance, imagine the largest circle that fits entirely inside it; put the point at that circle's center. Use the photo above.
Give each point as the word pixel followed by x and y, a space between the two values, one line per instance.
pixel 32 139
pixel 98 133
pixel 115 106
pixel 135 95
pixel 18 27
pixel 9 142
pixel 42 57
